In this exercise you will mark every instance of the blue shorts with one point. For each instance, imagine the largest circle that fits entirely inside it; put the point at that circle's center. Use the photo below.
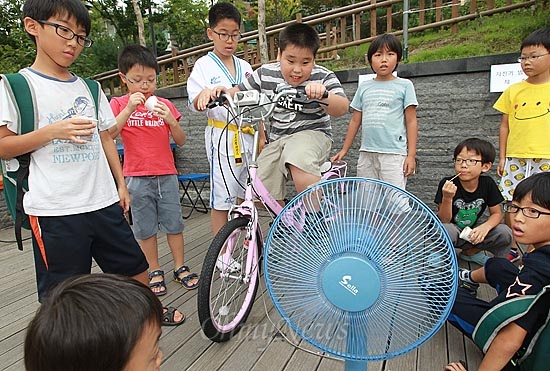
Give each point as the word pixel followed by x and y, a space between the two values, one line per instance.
pixel 65 245
pixel 155 205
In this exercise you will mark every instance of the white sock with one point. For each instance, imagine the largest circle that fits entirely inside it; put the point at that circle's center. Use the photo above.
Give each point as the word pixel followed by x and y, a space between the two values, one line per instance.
pixel 465 275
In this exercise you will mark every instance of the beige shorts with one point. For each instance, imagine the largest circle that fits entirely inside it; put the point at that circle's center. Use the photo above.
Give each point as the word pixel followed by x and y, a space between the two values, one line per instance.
pixel 307 150
pixel 387 167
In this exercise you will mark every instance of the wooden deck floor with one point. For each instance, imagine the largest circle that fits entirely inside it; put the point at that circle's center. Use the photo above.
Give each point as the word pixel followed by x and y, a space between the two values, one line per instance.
pixel 257 347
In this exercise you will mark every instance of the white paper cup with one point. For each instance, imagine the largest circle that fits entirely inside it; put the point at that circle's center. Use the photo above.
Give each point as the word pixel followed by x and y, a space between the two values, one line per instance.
pixel 151 102
pixel 465 234
pixel 87 138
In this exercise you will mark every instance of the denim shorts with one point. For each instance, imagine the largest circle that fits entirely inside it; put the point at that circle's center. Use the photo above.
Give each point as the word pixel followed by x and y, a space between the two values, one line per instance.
pixel 155 205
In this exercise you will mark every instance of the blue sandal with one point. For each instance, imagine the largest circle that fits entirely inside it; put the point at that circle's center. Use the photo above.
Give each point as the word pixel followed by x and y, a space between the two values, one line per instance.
pixel 160 284
pixel 185 280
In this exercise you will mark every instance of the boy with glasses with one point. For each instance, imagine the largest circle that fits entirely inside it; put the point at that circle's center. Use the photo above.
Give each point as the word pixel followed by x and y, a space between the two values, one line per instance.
pixel 76 197
pixel 222 67
pixel 525 125
pixel 530 211
pixel 149 169
pixel 463 198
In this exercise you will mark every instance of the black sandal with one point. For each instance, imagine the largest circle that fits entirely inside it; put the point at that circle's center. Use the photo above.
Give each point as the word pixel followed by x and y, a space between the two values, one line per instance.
pixel 185 280
pixel 160 284
pixel 168 317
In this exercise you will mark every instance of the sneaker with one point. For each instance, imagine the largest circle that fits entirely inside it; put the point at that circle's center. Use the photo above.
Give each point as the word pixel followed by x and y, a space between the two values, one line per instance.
pixel 232 267
pixel 478 258
pixel 471 287
pixel 513 255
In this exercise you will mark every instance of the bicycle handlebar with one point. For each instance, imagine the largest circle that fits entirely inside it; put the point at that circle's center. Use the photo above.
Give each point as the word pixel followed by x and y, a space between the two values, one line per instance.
pixel 253 105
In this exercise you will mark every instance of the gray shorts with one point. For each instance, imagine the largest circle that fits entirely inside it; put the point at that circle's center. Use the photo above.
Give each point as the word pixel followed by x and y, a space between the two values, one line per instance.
pixel 155 205
pixel 307 150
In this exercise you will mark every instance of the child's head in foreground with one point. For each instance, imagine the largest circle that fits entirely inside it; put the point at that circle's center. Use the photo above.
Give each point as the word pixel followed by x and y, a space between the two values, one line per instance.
pixel 298 45
pixel 224 31
pixel 96 322
pixel 386 48
pixel 472 157
pixel 53 10
pixel 531 223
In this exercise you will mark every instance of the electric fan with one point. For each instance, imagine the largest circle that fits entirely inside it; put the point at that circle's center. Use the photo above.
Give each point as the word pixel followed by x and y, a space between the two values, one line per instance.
pixel 360 269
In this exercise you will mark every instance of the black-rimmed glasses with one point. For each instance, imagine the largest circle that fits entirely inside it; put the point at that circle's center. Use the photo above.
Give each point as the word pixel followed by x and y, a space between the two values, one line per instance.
pixel 527 211
pixel 531 58
pixel 225 36
pixel 467 161
pixel 68 34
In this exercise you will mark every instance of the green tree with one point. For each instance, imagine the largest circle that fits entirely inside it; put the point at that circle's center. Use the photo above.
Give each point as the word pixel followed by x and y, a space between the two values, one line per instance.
pixel 186 21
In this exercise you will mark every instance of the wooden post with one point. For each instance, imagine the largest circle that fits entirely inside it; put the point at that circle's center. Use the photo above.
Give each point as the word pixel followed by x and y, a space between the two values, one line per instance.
pixel 473 6
pixel 388 18
pixel 373 20
pixel 175 63
pixel 343 27
pixel 438 4
pixel 357 35
pixel 421 14
pixel 454 14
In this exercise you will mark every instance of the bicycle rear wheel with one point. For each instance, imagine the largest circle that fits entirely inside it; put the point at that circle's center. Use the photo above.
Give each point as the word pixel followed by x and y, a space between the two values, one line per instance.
pixel 226 298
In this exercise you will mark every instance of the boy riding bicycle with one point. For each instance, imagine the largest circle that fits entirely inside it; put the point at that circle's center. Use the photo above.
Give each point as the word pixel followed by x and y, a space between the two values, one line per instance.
pixel 299 142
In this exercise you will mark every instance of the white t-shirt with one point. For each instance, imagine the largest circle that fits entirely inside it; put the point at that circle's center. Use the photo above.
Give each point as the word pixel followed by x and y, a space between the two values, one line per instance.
pixel 208 72
pixel 64 178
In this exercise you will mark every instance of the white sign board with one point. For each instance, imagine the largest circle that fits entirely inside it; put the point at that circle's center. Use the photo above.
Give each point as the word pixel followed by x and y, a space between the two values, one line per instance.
pixel 370 76
pixel 504 75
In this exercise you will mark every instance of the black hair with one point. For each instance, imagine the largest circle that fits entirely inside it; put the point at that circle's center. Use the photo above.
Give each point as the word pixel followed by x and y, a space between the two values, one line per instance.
pixel 538 37
pixel 386 40
pixel 222 11
pixel 90 323
pixel 300 35
pixel 539 187
pixel 479 146
pixel 134 54
pixel 41 10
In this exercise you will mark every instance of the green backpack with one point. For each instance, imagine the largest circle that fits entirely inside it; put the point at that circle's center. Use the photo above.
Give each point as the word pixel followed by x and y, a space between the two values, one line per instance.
pixel 536 356
pixel 15 172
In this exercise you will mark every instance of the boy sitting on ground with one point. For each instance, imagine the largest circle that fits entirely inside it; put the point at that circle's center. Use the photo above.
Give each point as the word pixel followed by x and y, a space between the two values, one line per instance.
pixel 530 208
pixel 463 198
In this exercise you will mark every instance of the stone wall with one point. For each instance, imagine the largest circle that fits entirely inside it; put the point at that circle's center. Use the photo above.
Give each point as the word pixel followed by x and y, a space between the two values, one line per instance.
pixel 454 104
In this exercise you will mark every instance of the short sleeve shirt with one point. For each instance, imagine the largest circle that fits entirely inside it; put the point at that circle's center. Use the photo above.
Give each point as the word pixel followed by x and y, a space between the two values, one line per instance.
pixel 468 207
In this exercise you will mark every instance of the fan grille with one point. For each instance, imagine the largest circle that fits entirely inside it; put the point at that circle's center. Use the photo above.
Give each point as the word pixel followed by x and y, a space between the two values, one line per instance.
pixel 403 297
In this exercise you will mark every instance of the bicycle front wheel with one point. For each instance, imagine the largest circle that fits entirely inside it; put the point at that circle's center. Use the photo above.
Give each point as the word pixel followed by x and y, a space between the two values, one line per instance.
pixel 225 296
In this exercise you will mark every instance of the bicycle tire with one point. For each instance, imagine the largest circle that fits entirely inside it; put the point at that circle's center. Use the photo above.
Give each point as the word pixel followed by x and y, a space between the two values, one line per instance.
pixel 230 295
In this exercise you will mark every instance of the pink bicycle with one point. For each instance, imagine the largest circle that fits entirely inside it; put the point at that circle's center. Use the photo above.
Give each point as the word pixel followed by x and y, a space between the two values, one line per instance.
pixel 231 269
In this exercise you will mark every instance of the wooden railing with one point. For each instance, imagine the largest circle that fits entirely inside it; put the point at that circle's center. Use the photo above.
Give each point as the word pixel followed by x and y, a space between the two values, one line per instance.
pixel 339 29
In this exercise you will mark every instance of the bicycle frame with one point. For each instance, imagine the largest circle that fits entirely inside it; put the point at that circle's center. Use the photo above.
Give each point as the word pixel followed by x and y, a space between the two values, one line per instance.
pixel 244 235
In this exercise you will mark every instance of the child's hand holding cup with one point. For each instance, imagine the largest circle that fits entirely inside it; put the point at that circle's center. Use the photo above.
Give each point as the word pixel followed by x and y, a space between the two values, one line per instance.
pixel 89 137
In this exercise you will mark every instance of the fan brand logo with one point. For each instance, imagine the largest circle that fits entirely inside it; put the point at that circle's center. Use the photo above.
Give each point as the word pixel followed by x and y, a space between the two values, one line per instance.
pixel 348 286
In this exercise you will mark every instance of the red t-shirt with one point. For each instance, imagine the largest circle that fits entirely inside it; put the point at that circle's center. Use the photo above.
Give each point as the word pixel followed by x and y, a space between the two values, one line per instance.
pixel 146 140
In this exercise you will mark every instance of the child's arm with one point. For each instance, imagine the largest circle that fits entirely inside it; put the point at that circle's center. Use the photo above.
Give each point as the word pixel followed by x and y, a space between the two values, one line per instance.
pixel 479 233
pixel 503 348
pixel 412 138
pixel 134 100
pixel 116 169
pixel 502 142
pixel 12 145
pixel 353 128
pixel 445 209
pixel 337 104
